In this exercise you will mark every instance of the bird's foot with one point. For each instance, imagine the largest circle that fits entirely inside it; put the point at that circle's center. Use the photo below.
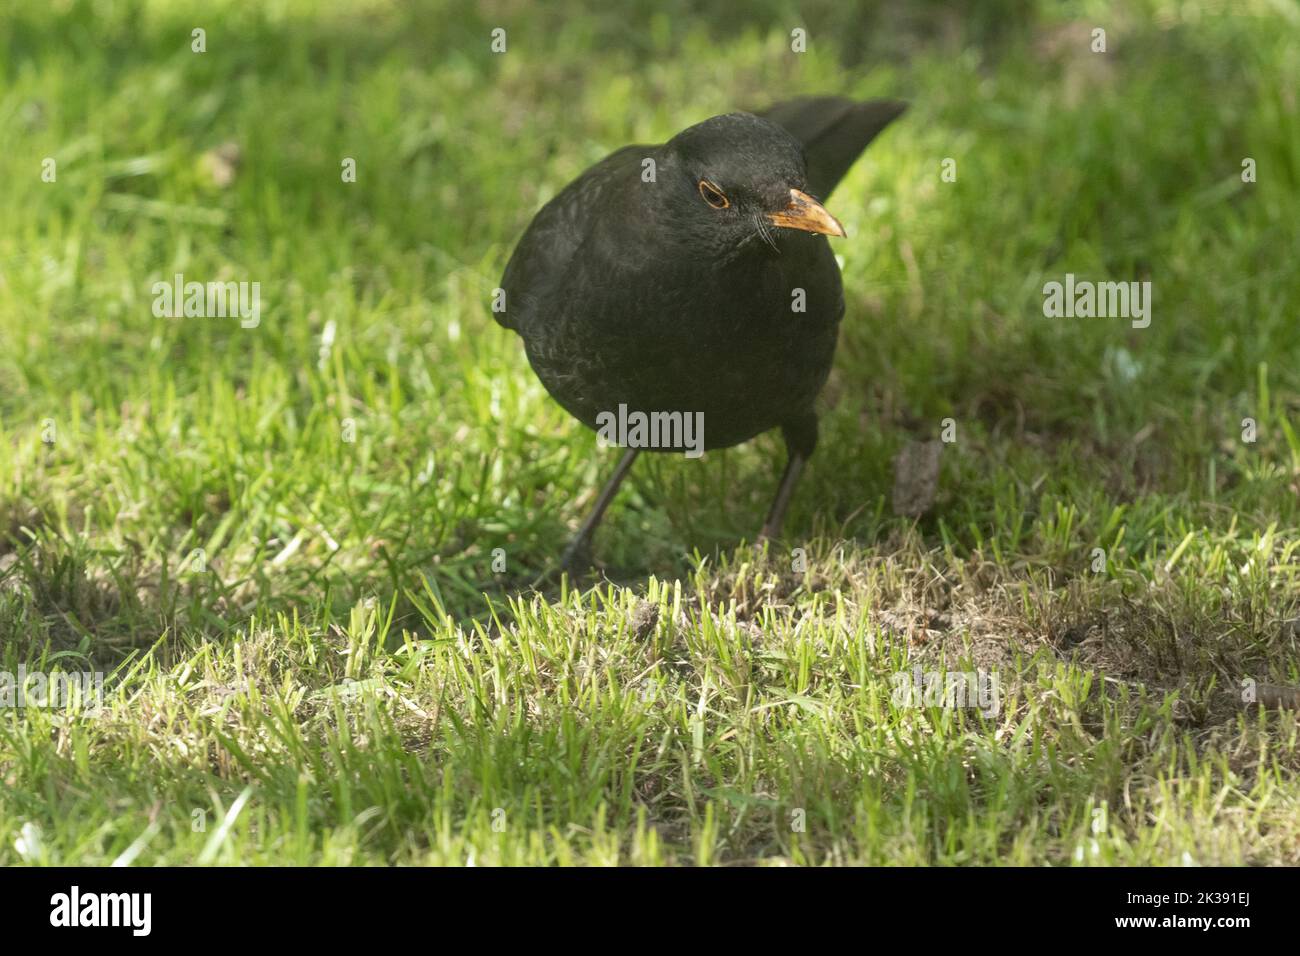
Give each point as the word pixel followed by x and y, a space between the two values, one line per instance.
pixel 763 544
pixel 575 557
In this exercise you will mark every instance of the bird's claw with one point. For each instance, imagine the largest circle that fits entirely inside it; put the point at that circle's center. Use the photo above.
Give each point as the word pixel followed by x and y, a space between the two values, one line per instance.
pixel 576 556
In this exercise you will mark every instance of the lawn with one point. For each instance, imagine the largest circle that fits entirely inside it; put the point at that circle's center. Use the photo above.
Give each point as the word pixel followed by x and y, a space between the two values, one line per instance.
pixel 301 550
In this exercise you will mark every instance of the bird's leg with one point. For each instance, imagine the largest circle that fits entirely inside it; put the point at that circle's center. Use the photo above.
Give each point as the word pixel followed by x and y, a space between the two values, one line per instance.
pixel 800 439
pixel 784 492
pixel 583 538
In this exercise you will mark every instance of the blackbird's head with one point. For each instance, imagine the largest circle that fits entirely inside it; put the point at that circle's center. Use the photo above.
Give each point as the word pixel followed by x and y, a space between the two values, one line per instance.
pixel 739 178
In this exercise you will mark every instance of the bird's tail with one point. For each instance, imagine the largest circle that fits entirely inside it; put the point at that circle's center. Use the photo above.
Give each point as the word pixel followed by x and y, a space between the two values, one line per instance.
pixel 834 131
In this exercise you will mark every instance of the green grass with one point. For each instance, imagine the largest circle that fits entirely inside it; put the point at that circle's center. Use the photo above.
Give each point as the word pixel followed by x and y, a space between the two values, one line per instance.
pixel 348 680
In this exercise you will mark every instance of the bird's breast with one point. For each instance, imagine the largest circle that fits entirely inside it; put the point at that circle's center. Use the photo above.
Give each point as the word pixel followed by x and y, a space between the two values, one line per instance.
pixel 747 342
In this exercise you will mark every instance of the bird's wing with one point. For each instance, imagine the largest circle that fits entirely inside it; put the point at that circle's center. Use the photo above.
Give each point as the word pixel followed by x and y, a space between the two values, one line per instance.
pixel 557 232
pixel 834 131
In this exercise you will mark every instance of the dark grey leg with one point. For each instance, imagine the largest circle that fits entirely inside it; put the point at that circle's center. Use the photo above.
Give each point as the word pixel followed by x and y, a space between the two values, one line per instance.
pixel 784 492
pixel 800 439
pixel 583 538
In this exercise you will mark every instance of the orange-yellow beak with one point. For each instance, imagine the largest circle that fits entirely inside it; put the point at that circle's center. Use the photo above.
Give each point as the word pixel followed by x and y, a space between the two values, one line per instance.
pixel 807 214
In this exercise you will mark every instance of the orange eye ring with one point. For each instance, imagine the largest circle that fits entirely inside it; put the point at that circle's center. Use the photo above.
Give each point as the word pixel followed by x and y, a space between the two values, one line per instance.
pixel 712 195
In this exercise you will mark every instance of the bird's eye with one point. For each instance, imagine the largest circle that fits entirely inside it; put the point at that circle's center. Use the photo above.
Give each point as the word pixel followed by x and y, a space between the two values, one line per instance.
pixel 713 195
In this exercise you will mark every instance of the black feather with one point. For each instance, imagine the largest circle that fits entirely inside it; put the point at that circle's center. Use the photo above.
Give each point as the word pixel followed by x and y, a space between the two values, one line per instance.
pixel 834 131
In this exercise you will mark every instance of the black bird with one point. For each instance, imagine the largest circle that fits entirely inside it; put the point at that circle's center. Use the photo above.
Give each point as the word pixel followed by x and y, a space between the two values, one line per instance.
pixel 665 278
